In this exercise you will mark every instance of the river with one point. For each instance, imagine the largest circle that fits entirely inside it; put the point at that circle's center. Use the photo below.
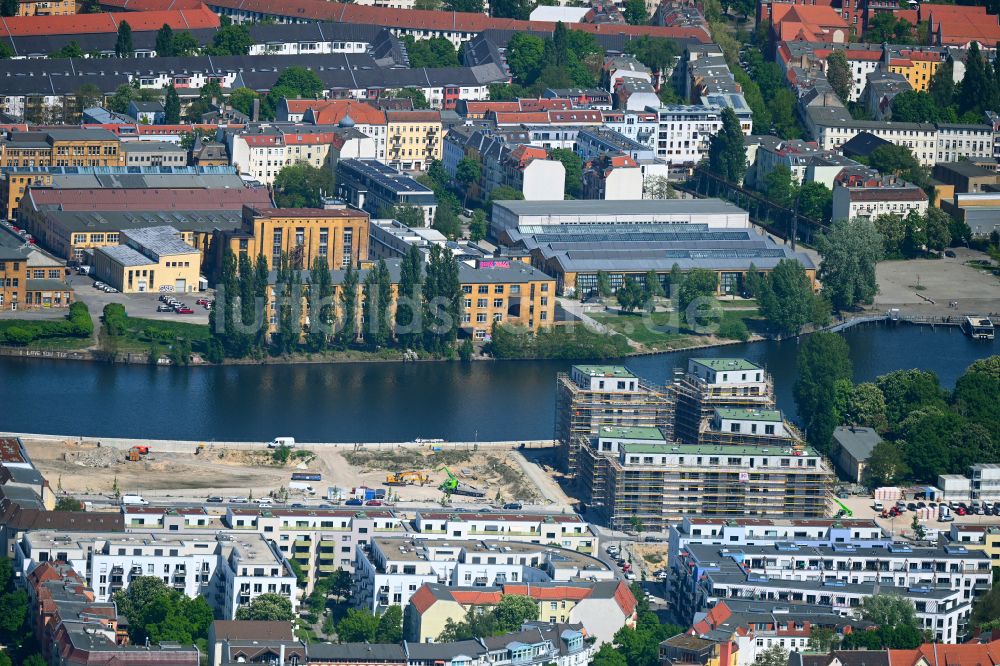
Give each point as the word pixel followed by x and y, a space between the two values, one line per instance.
pixel 386 402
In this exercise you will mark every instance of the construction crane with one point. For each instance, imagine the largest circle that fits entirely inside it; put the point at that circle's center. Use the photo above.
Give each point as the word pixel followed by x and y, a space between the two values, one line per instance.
pixel 452 486
pixel 407 478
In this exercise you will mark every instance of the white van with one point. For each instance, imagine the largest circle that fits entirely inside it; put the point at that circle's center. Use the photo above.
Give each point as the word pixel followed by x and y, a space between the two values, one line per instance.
pixel 281 441
pixel 878 506
pixel 134 500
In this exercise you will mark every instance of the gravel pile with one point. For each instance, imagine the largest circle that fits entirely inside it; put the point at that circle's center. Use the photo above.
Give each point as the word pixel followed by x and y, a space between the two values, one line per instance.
pixel 102 457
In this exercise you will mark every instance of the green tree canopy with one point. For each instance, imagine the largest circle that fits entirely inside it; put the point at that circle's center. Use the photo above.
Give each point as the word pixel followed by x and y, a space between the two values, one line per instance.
pixel 838 73
pixel 573 164
pixel 786 298
pixel 302 185
pixel 823 360
pixel 850 251
pixel 123 45
pixel 886 465
pixel 267 606
pixel 231 39
pixel 727 156
pixel 698 283
pixel 433 52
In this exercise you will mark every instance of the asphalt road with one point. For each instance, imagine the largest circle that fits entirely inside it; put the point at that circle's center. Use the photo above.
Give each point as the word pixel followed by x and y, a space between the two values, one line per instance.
pixel 138 305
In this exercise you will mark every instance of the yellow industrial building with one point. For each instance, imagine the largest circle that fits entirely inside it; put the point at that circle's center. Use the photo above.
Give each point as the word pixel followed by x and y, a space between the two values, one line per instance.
pixel 62 147
pixel 149 259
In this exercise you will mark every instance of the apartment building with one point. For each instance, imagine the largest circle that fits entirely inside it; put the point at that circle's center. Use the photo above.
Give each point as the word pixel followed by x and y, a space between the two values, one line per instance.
pixel 378 188
pixel 46 8
pixel 636 476
pixel 414 139
pixel 639 126
pixel 511 292
pixel 228 569
pixel 338 236
pixel 388 571
pixel 714 383
pixel 868 196
pixel 149 259
pixel 684 131
pixel 262 151
pixel 942 581
pixel 13 275
pixel 154 154
pixel 769 531
pixel 61 147
pixel 590 398
pixel 560 529
pixel 602 607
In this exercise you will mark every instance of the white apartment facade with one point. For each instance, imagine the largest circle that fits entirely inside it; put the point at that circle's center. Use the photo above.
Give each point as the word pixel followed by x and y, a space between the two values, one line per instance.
pixel 229 570
pixel 563 530
pixel 684 131
pixel 879 199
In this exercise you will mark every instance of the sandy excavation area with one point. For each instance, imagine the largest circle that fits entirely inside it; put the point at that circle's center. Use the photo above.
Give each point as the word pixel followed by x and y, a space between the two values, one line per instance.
pixel 85 468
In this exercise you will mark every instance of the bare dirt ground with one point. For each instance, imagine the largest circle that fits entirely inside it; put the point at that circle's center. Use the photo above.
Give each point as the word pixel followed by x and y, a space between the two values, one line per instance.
pixel 84 467
pixel 911 285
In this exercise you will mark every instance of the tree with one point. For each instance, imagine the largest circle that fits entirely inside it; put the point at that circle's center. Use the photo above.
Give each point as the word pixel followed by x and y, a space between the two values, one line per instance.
pixel 986 609
pixel 885 27
pixel 9 7
pixel 13 613
pixel 780 188
pixel 123 45
pixel 573 165
pixel 920 107
pixel 69 504
pixel 774 655
pixel 698 283
pixel 850 251
pixel 513 9
pixel 629 295
pixel 408 304
pixel 838 73
pixel 446 221
pixel 477 225
pixel 302 185
pixel 886 465
pixel 931 435
pixel 658 187
pixel 889 610
pixel 231 39
pixel 242 100
pixel 268 606
pixel 524 56
pixel 897 160
pixel 71 49
pixel 815 201
pixel 609 656
pixel 348 333
pixel 513 611
pixel 786 298
pixel 989 365
pixel 893 231
pixel 823 640
pixel 906 391
pixel 652 287
pixel 942 86
pixel 635 12
pixel 727 154
pixel 978 92
pixel 433 52
pixel 467 172
pixel 165 41
pixel 603 284
pixel 390 625
pixel 300 82
pixel 172 106
pixel 416 95
pixel 184 44
pixel 474 6
pixel 937 227
pixel 823 360
pixel 866 407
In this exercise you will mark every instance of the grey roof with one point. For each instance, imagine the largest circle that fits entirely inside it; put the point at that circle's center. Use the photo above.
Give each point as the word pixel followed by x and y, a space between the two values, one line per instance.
pixel 859 442
pixel 443 651
pixel 125 255
pixel 863 144
pixel 518 272
pixel 152 147
pixel 162 241
pixel 182 220
pixel 360 652
pixel 635 207
pixel 146 107
pixel 47 284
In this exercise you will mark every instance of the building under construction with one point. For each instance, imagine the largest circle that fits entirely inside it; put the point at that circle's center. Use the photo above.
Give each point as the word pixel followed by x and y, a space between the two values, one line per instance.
pixel 717 383
pixel 591 397
pixel 636 478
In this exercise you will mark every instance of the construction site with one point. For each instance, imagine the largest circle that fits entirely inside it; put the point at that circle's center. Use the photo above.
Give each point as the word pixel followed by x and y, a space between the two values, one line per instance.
pixel 425 473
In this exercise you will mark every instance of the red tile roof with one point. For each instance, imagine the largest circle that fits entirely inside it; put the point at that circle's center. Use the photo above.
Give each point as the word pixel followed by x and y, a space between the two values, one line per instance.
pixel 477 598
pixel 331 112
pixel 944 654
pixel 438 20
pixel 960 24
pixel 148 5
pixel 811 23
pixel 74 24
pixel 423 599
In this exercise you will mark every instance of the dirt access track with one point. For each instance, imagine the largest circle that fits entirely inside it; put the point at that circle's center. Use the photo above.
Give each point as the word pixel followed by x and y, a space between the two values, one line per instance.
pixel 84 467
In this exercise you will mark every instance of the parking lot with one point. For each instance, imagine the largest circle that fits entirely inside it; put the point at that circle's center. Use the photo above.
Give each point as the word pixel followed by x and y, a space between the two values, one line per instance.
pixel 864 507
pixel 139 305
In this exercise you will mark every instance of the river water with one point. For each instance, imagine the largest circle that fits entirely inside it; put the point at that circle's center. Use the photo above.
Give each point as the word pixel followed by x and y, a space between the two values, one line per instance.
pixel 386 402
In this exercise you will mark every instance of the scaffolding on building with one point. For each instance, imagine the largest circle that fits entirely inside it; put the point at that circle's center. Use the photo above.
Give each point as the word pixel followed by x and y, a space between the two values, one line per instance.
pixel 696 400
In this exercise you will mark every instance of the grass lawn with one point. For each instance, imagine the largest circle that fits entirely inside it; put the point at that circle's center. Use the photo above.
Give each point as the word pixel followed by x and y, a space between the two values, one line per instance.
pixel 661 331
pixel 142 334
pixel 61 344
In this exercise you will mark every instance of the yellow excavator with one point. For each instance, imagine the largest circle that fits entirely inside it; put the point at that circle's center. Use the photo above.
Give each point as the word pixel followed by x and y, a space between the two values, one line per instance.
pixel 408 478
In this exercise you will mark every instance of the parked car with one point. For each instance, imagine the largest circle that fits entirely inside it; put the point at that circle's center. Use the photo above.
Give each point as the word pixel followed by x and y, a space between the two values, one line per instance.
pixel 513 506
pixel 354 501
pixel 238 500
pixel 185 310
pixel 214 499
pixel 373 503
pixel 201 301
pixel 949 253
pixel 164 308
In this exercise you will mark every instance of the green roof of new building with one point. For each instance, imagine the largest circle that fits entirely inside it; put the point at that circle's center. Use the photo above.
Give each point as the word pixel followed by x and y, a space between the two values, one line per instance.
pixel 605 370
pixel 723 364
pixel 647 432
pixel 749 414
